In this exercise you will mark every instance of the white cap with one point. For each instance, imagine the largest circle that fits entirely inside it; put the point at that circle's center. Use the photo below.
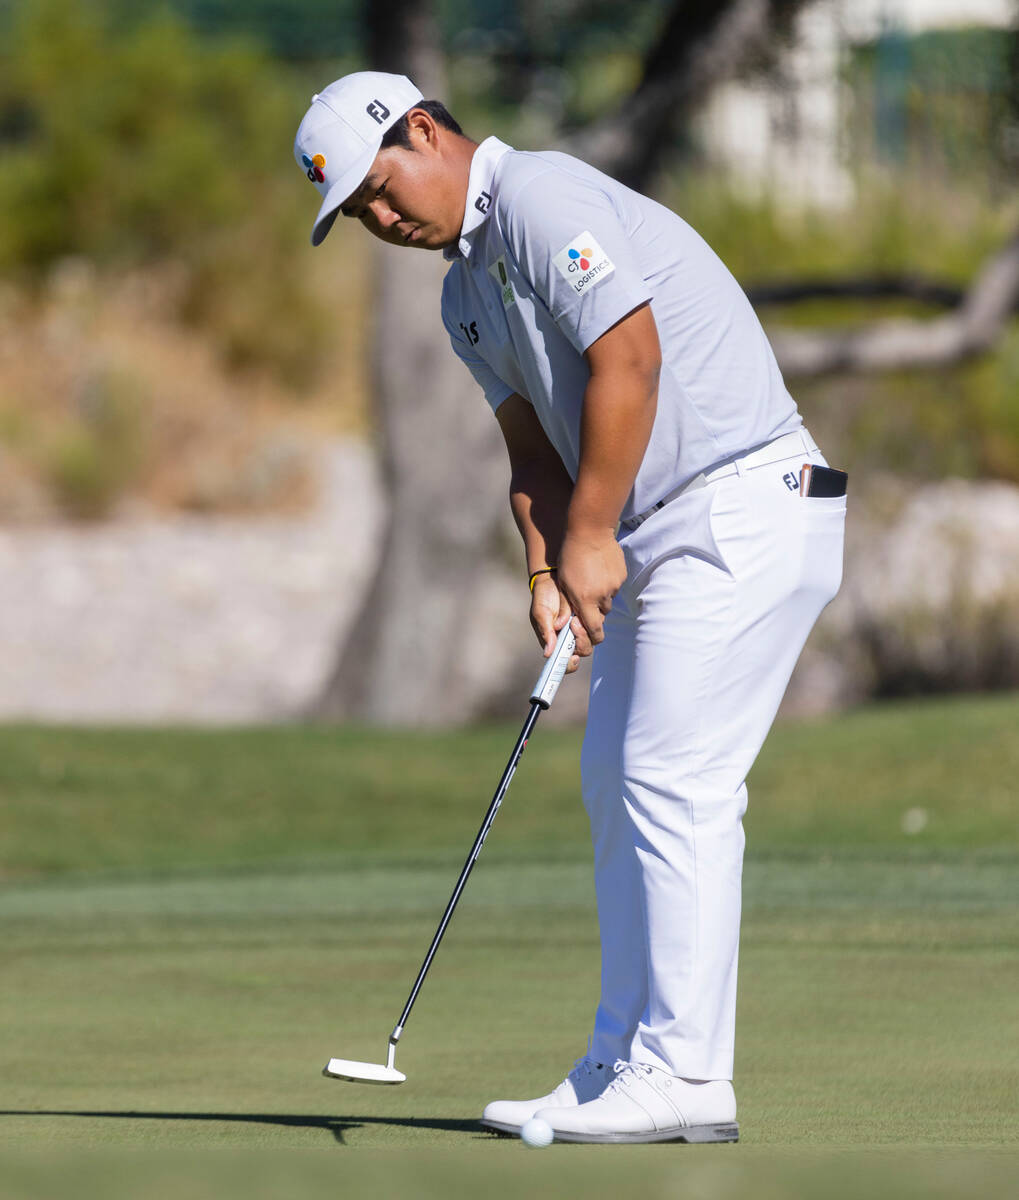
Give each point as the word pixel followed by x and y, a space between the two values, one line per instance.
pixel 341 134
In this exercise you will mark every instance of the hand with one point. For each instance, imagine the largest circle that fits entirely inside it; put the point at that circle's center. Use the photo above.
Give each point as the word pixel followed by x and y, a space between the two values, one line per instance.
pixel 550 611
pixel 591 570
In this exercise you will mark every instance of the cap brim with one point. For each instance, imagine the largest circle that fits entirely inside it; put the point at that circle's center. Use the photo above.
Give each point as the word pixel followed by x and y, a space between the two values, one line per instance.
pixel 345 186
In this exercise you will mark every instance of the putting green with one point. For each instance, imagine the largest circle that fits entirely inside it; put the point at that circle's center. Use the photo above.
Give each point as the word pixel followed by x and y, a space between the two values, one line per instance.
pixel 511 1170
pixel 199 1010
pixel 190 1002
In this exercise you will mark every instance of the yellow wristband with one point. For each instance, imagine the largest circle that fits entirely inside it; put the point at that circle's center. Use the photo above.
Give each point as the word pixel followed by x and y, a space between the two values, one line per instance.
pixel 535 574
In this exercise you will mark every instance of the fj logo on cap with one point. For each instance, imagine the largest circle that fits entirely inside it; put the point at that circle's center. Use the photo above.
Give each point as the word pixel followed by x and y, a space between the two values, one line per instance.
pixel 313 166
pixel 377 111
pixel 482 203
pixel 583 263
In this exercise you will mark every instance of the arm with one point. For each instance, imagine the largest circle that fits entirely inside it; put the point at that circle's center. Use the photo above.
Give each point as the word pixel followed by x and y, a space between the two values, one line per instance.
pixel 540 490
pixel 619 411
pixel 608 319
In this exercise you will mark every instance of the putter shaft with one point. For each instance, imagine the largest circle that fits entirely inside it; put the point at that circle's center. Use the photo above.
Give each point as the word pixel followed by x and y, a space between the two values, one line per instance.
pixel 472 858
pixel 541 698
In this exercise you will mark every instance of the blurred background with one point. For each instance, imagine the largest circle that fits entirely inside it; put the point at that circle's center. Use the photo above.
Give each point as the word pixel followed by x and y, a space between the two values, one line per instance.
pixel 245 484
pixel 243 480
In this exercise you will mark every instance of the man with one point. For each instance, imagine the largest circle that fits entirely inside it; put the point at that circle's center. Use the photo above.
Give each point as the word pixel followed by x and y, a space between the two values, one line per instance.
pixel 669 498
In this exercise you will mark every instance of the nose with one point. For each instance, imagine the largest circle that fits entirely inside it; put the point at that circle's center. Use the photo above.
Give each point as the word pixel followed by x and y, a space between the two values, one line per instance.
pixel 383 215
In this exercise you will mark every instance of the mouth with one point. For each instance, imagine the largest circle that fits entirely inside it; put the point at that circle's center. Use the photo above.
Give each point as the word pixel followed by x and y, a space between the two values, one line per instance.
pixel 412 235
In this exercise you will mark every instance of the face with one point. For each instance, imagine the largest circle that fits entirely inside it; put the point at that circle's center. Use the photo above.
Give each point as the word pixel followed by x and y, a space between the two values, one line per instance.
pixel 413 197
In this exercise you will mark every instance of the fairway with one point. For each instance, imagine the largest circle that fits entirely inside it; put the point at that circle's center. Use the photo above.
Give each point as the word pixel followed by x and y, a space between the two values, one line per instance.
pixel 193 922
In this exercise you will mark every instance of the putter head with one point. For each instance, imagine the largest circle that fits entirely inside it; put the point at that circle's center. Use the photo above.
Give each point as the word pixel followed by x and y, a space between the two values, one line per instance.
pixel 362 1072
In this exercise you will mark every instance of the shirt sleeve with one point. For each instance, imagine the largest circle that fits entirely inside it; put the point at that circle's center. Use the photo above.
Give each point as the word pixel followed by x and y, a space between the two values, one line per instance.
pixel 573 248
pixel 496 391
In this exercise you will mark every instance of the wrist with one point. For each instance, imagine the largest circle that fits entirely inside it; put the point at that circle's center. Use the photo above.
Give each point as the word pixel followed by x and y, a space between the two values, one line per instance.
pixel 588 530
pixel 539 575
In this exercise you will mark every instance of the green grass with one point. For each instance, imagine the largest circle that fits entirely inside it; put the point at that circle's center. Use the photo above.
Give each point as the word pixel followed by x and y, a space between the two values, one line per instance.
pixel 193 921
pixel 156 800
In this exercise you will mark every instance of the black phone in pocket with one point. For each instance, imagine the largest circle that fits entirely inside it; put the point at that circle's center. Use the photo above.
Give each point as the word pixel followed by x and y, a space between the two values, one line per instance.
pixel 816 480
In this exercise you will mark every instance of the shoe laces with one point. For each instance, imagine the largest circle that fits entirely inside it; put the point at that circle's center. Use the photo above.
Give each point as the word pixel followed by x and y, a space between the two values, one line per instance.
pixel 625 1072
pixel 586 1064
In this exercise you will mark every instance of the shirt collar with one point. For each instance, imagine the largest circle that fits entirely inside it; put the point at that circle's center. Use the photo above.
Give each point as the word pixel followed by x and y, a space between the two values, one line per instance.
pixel 479 194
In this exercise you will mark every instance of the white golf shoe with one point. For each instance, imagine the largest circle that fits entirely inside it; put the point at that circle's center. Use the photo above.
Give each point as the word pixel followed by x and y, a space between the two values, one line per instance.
pixel 645 1104
pixel 586 1081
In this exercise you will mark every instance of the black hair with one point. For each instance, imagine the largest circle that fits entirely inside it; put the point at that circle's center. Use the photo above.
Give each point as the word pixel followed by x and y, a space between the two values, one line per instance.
pixel 399 134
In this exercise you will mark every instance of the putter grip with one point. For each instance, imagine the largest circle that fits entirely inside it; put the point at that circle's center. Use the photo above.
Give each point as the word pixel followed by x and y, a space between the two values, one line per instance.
pixel 555 668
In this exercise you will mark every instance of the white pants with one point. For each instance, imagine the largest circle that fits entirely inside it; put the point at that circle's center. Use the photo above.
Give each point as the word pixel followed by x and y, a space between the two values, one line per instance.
pixel 724 584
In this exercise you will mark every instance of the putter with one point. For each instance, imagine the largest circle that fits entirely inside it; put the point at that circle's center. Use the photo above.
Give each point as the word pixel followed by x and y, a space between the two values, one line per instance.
pixel 541 698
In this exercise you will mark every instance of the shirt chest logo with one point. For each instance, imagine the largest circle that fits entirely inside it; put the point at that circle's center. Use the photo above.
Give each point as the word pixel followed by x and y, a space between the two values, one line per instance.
pixel 501 276
pixel 582 262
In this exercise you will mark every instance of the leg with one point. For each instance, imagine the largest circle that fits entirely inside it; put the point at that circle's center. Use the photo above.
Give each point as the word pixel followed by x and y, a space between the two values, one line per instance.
pixel 726 592
pixel 617 874
pixel 617 878
pixel 717 639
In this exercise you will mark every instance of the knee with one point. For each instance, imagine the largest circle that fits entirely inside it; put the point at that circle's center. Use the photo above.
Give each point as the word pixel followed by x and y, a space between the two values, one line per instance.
pixel 673 791
pixel 600 774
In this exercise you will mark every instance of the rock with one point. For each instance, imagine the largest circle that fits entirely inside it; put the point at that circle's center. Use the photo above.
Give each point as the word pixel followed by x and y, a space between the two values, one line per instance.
pixel 929 601
pixel 187 619
pixel 215 619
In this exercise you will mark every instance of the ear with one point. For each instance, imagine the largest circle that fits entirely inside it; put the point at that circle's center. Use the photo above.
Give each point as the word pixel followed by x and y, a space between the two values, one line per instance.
pixel 424 133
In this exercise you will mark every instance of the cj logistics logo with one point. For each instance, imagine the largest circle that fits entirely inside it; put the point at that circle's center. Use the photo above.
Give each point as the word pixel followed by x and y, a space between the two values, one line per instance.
pixel 580 258
pixel 583 263
pixel 313 166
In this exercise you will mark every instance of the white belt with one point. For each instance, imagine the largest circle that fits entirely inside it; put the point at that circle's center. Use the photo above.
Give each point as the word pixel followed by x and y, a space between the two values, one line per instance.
pixel 790 446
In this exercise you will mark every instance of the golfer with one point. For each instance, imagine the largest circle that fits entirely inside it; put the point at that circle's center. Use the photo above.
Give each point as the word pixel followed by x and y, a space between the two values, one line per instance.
pixel 670 499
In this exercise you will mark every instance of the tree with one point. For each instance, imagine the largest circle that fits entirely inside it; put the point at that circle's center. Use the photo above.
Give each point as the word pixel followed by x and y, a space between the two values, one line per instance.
pixel 441 456
pixel 975 323
pixel 701 44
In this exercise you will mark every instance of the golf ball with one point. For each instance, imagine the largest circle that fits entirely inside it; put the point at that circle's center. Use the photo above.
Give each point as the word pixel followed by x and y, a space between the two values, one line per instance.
pixel 537 1133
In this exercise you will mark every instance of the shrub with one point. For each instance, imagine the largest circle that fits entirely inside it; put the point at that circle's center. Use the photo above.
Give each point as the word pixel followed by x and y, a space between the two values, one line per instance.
pixel 139 143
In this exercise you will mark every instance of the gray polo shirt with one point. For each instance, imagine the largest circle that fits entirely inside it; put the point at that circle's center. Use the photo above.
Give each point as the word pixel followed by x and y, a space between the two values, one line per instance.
pixel 551 255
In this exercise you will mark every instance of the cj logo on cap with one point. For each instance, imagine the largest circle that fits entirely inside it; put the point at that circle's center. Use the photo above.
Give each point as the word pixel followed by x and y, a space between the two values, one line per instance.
pixel 377 111
pixel 314 167
pixel 582 262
